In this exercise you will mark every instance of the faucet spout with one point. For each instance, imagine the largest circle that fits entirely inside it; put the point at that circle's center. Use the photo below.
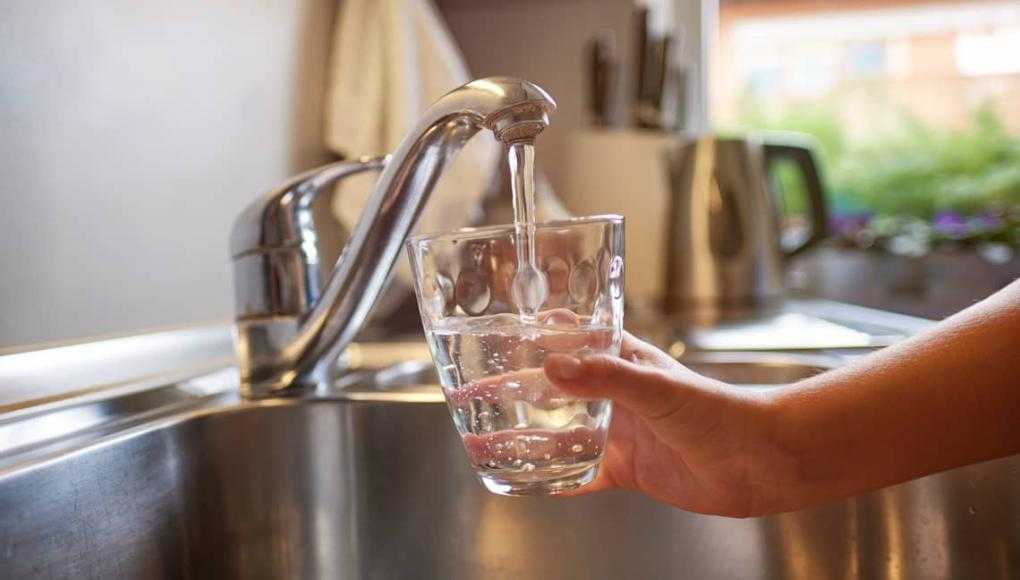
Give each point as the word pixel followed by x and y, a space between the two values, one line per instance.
pixel 282 358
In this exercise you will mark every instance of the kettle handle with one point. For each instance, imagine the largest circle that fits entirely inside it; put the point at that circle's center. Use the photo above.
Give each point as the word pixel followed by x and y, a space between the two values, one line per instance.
pixel 817 209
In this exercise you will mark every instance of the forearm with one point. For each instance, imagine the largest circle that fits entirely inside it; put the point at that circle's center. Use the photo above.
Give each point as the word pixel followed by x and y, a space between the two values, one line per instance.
pixel 946 398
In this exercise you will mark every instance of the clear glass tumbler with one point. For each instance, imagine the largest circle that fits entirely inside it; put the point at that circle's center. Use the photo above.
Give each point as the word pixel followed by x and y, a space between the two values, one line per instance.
pixel 521 434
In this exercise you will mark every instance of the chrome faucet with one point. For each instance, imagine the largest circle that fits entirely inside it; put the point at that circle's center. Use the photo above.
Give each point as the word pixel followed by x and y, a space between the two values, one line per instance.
pixel 291 327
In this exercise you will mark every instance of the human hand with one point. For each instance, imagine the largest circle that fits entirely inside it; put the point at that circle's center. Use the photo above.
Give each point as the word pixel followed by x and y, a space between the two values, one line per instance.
pixel 678 437
pixel 944 398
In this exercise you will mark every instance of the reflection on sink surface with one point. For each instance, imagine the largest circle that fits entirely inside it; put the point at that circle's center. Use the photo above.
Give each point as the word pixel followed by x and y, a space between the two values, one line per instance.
pixel 335 488
pixel 758 369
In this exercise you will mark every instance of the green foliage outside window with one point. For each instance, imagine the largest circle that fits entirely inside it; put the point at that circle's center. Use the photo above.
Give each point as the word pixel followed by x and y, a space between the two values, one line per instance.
pixel 932 184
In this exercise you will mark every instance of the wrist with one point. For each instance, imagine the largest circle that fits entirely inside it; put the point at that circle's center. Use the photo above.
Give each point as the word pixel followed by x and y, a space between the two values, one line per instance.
pixel 790 451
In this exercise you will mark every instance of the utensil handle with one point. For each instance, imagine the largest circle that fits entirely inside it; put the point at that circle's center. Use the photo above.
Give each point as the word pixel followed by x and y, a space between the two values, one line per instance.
pixel 640 64
pixel 602 62
pixel 818 213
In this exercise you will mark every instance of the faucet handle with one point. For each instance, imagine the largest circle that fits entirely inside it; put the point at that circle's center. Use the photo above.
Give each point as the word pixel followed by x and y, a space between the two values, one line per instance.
pixel 278 218
pixel 273 243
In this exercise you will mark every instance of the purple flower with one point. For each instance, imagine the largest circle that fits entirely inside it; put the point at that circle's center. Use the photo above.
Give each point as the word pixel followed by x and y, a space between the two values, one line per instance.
pixel 848 225
pixel 950 224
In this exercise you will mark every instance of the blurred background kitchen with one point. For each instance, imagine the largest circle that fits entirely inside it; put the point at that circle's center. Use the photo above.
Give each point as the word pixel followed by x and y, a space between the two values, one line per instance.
pixel 134 133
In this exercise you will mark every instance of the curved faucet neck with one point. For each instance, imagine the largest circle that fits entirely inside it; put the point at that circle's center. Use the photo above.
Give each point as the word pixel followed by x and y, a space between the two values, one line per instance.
pixel 305 355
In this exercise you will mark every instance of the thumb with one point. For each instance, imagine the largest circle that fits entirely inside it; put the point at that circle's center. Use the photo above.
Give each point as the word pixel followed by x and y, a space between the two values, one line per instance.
pixel 647 391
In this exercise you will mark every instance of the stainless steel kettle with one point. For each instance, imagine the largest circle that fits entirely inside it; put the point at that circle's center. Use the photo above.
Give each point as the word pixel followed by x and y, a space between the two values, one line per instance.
pixel 724 248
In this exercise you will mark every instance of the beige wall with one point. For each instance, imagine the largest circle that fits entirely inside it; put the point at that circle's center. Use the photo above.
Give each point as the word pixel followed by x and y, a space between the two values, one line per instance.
pixel 131 133
pixel 545 42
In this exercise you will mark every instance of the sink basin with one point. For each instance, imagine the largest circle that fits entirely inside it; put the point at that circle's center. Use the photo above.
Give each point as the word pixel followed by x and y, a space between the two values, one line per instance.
pixel 371 482
pixel 752 369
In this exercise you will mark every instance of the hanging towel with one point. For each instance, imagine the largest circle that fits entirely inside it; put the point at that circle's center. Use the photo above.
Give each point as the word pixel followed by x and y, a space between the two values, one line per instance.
pixel 391 60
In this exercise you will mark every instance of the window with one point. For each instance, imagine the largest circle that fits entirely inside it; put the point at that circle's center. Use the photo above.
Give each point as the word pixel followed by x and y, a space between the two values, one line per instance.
pixel 865 59
pixel 913 105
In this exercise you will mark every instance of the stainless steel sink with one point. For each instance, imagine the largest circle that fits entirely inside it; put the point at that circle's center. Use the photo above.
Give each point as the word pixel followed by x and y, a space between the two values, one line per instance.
pixel 181 479
pixel 755 369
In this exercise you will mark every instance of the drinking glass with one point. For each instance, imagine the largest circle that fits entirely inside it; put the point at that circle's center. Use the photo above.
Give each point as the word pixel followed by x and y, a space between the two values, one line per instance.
pixel 522 435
